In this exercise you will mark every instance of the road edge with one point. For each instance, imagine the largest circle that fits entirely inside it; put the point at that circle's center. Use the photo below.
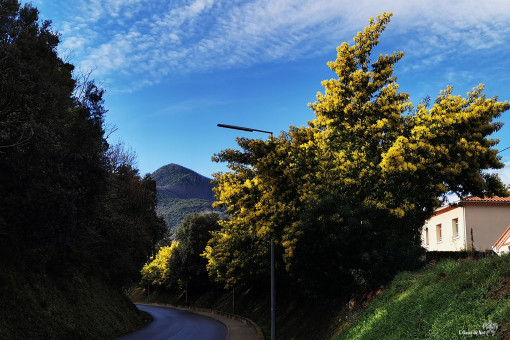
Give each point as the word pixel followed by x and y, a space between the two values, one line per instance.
pixel 224 318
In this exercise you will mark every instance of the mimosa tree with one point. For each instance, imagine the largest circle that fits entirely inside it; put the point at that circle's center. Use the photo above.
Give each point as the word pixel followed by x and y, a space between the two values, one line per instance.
pixel 345 197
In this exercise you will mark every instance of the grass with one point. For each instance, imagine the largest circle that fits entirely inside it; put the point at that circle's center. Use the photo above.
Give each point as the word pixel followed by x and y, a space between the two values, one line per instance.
pixel 37 306
pixel 448 300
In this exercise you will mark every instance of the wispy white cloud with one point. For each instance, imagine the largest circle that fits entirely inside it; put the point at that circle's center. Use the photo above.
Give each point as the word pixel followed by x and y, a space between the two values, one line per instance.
pixel 504 173
pixel 136 42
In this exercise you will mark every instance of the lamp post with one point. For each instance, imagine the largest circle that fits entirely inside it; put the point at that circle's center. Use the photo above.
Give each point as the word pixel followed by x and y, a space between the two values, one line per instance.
pixel 243 128
pixel 273 293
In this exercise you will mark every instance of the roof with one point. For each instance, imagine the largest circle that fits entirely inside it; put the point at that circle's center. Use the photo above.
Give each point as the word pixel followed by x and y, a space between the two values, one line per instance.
pixel 485 201
pixel 502 241
pixel 442 210
pixel 494 201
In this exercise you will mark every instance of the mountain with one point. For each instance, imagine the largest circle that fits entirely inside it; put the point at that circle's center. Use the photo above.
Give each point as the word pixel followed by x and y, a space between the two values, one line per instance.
pixel 181 192
pixel 177 181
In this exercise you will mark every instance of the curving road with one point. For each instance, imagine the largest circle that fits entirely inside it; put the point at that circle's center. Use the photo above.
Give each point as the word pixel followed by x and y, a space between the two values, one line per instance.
pixel 177 324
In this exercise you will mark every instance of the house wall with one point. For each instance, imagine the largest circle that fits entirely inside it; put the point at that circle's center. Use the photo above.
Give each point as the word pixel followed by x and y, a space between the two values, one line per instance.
pixel 488 223
pixel 449 242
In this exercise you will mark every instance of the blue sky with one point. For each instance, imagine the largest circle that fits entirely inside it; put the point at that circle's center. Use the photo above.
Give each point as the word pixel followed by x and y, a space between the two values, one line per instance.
pixel 174 69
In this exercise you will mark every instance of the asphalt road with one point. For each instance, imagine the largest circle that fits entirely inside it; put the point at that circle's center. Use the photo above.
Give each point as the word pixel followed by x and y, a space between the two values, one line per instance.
pixel 177 324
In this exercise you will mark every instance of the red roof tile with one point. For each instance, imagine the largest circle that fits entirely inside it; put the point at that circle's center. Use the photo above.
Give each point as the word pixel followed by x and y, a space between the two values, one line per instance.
pixel 488 199
pixel 495 200
pixel 474 200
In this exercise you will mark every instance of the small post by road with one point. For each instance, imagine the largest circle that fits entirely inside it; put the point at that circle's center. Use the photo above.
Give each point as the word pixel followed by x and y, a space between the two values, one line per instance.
pixel 233 300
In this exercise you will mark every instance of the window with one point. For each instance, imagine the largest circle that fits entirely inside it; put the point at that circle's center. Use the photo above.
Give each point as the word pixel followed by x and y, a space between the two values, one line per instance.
pixel 455 228
pixel 439 234
pixel 427 236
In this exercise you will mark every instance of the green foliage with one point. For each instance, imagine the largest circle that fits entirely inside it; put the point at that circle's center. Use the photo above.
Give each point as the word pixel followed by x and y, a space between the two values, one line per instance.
pixel 344 197
pixel 51 162
pixel 187 264
pixel 157 272
pixel 128 229
pixel 67 198
pixel 438 302
pixel 181 263
pixel 175 210
pixel 68 209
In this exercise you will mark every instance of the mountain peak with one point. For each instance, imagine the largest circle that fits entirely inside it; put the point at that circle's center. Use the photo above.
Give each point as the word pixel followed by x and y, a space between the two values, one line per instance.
pixel 175 167
pixel 172 174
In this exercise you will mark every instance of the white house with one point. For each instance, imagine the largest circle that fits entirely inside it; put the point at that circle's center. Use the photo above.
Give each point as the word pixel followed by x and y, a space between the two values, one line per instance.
pixel 473 221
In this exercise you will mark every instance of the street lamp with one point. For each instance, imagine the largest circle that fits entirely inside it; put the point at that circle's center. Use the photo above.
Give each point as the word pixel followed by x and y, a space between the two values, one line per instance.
pixel 273 294
pixel 243 128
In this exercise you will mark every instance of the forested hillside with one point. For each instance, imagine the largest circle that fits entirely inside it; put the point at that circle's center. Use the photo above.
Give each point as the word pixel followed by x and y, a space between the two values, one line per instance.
pixel 73 216
pixel 182 192
pixel 177 181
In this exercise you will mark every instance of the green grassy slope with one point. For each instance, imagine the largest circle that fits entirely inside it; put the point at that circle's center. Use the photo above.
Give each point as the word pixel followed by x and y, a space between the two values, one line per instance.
pixel 444 301
pixel 35 306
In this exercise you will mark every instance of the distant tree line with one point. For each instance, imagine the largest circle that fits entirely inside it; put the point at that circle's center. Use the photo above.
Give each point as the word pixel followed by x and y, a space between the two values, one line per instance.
pixel 181 265
pixel 68 199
